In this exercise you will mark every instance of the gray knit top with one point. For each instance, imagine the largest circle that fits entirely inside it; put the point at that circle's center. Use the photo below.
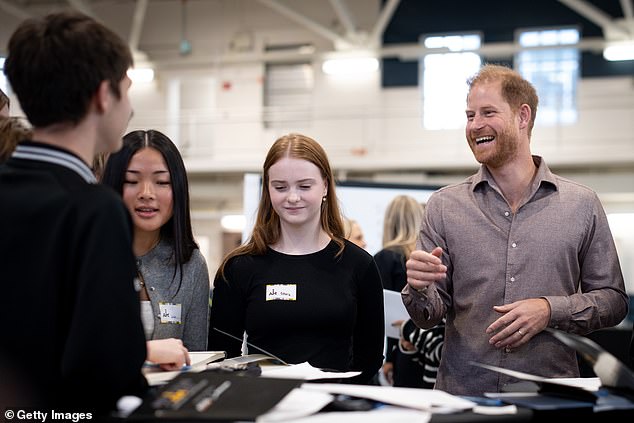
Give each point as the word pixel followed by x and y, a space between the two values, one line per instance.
pixel 180 309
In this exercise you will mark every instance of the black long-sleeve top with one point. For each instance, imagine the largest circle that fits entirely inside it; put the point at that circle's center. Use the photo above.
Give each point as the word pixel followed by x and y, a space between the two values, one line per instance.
pixel 314 308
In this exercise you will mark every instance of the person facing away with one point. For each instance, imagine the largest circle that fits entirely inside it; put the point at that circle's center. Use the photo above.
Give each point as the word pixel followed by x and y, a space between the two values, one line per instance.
pixel 299 289
pixel 72 319
pixel 5 104
pixel 510 251
pixel 173 280
pixel 353 232
pixel 403 366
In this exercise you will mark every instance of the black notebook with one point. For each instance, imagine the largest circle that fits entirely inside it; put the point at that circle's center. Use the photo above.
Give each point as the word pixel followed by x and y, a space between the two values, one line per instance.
pixel 214 396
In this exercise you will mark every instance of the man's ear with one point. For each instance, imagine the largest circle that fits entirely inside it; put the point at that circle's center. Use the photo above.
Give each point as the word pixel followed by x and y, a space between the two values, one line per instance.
pixel 524 114
pixel 103 97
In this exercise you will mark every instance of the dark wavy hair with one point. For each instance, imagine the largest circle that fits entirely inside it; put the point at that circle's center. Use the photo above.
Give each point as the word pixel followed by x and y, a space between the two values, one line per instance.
pixel 178 229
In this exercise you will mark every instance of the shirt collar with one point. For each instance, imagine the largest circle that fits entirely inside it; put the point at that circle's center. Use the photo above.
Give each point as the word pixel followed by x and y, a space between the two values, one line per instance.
pixel 543 175
pixel 47 153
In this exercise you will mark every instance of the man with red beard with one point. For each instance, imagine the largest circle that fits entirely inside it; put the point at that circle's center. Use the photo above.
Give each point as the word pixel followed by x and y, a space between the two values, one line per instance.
pixel 510 251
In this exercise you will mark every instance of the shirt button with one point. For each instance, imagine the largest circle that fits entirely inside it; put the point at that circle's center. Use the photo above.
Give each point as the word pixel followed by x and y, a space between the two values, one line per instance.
pixel 151 288
pixel 508 350
pixel 513 245
pixel 512 279
pixel 506 214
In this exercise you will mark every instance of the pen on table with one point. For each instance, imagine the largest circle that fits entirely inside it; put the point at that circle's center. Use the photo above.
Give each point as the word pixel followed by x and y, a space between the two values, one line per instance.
pixel 206 401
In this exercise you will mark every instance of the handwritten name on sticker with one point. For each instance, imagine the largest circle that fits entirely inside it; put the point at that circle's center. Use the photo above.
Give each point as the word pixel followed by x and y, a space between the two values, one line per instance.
pixel 283 292
pixel 170 313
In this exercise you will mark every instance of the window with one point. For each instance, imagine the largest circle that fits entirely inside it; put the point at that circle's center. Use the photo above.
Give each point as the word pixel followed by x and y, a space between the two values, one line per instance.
pixel 444 76
pixel 553 71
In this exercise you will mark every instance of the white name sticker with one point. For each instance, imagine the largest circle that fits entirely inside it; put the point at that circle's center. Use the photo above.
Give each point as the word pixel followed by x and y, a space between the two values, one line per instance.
pixel 281 292
pixel 170 313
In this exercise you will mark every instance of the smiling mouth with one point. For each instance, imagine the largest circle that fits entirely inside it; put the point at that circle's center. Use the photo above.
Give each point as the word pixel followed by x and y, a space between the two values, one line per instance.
pixel 146 210
pixel 483 140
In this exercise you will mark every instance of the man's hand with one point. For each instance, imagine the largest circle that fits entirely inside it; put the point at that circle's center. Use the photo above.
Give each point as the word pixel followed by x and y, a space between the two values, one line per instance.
pixel 521 321
pixel 425 268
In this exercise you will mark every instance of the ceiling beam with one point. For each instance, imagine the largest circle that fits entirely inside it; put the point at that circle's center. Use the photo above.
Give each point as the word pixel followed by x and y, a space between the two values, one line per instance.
pixel 628 12
pixel 304 21
pixel 596 15
pixel 137 24
pixel 407 52
pixel 344 16
pixel 501 50
pixel 383 21
pixel 628 9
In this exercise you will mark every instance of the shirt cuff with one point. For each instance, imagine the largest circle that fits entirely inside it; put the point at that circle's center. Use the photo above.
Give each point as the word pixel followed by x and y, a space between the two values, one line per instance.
pixel 560 312
pixel 408 289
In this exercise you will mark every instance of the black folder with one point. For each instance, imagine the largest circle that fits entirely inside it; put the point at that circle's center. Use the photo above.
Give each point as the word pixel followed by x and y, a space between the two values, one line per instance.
pixel 617 380
pixel 214 396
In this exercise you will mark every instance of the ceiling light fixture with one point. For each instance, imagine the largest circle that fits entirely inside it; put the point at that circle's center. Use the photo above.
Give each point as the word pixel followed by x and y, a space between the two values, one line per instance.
pixel 618 52
pixel 141 74
pixel 233 222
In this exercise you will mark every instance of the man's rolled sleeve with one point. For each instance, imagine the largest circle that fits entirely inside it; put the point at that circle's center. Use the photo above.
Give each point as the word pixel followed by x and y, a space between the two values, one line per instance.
pixel 418 305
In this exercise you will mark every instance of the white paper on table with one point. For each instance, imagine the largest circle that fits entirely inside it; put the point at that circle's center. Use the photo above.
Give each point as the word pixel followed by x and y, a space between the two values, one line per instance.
pixel 588 383
pixel 420 399
pixel 303 371
pixel 298 403
pixel 394 311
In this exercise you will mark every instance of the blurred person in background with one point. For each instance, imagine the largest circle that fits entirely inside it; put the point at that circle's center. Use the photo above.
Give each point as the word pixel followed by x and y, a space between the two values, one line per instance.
pixel 353 232
pixel 406 362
